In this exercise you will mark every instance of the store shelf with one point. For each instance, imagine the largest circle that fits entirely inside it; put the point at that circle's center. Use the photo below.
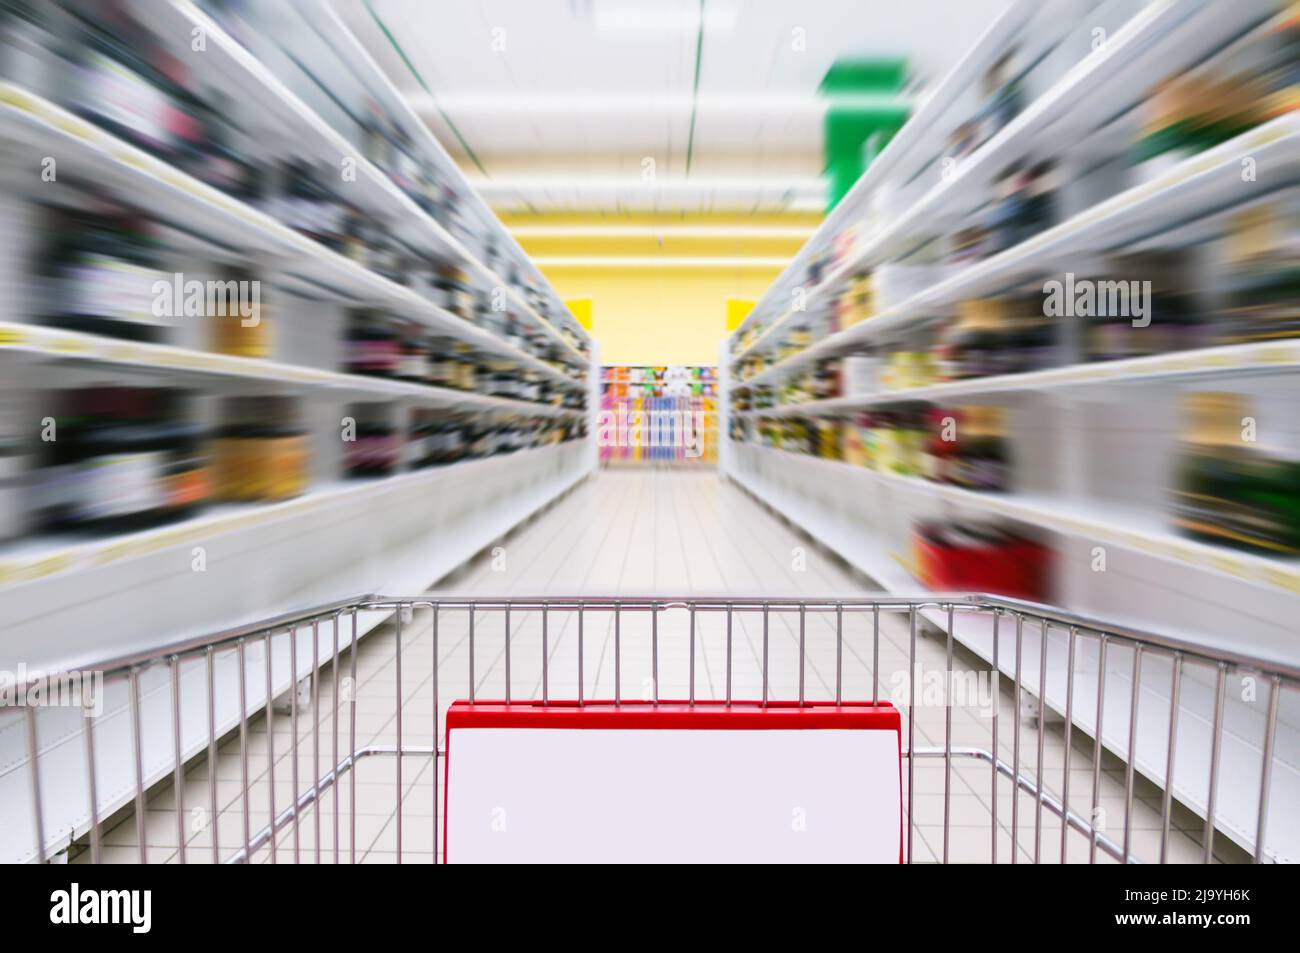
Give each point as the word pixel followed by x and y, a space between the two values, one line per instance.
pixel 322 19
pixel 820 515
pixel 44 557
pixel 230 65
pixel 1225 599
pixel 1229 360
pixel 470 504
pixel 51 344
pixel 1163 38
pixel 1199 186
pixel 863 551
pixel 914 134
pixel 87 152
pixel 1118 526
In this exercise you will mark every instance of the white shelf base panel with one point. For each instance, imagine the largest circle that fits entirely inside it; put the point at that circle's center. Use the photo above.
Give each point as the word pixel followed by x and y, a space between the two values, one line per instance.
pixel 866 521
pixel 399 538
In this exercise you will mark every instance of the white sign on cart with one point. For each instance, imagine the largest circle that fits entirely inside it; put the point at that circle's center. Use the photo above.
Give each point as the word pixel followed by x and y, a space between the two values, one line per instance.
pixel 672 783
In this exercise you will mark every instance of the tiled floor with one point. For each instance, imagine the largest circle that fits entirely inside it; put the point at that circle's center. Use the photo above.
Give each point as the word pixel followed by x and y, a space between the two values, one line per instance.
pixel 624 532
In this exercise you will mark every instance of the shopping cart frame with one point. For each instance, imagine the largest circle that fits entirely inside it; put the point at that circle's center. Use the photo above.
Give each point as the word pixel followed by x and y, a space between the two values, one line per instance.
pixel 1022 615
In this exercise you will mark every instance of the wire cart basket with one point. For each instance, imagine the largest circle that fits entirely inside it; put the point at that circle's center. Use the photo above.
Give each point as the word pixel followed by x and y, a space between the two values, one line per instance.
pixel 1028 734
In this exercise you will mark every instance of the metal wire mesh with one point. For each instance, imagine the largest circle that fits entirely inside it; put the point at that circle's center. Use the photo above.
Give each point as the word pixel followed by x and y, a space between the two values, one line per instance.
pixel 680 649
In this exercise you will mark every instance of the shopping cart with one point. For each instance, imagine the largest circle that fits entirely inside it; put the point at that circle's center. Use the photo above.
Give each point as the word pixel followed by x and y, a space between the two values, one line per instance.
pixel 262 731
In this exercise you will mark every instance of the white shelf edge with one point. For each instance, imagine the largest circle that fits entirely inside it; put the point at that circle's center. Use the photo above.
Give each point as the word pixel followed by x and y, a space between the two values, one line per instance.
pixel 59 345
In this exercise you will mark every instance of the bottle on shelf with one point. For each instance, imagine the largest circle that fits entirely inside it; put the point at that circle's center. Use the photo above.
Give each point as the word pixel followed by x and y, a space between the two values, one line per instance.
pixel 1174 318
pixel 372 346
pixel 414 359
pixel 260 454
pixel 981 459
pixel 241 324
pixel 1203 107
pixel 374 448
pixel 1262 275
pixel 1024 206
pixel 100 271
pixel 124 458
pixel 113 80
pixel 1228 491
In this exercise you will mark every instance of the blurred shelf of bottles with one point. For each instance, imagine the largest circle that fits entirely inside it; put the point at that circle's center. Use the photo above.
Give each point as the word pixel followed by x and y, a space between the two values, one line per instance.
pixel 1005 332
pixel 104 63
pixel 658 414
pixel 1232 283
pixel 1238 287
pixel 132 457
pixel 167 350
pixel 1223 489
pixel 876 253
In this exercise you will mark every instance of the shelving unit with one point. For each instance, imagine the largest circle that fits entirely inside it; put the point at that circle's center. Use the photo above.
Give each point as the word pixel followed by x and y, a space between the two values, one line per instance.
pixel 69 597
pixel 216 221
pixel 1094 442
pixel 1160 39
pixel 208 220
pixel 318 42
pixel 234 66
pixel 1198 188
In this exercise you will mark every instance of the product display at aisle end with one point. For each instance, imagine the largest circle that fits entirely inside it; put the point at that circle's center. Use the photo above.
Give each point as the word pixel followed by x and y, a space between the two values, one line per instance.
pixel 502 432
pixel 664 414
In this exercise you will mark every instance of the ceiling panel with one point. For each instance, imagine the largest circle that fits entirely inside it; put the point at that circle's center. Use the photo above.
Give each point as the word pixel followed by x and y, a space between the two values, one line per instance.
pixel 596 87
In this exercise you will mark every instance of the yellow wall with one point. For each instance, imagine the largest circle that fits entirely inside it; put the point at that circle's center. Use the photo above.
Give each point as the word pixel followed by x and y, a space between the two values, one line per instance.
pixel 660 314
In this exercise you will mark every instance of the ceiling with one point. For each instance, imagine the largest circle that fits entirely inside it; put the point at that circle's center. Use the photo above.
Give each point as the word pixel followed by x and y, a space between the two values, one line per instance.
pixel 575 105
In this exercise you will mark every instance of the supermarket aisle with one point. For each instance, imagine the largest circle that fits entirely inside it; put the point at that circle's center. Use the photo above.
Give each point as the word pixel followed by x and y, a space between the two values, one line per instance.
pixel 629 532
pixel 661 532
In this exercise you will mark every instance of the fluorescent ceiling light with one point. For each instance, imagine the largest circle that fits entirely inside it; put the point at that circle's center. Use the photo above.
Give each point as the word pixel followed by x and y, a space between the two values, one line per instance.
pixel 662 231
pixel 596 103
pixel 661 17
pixel 634 182
pixel 650 261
